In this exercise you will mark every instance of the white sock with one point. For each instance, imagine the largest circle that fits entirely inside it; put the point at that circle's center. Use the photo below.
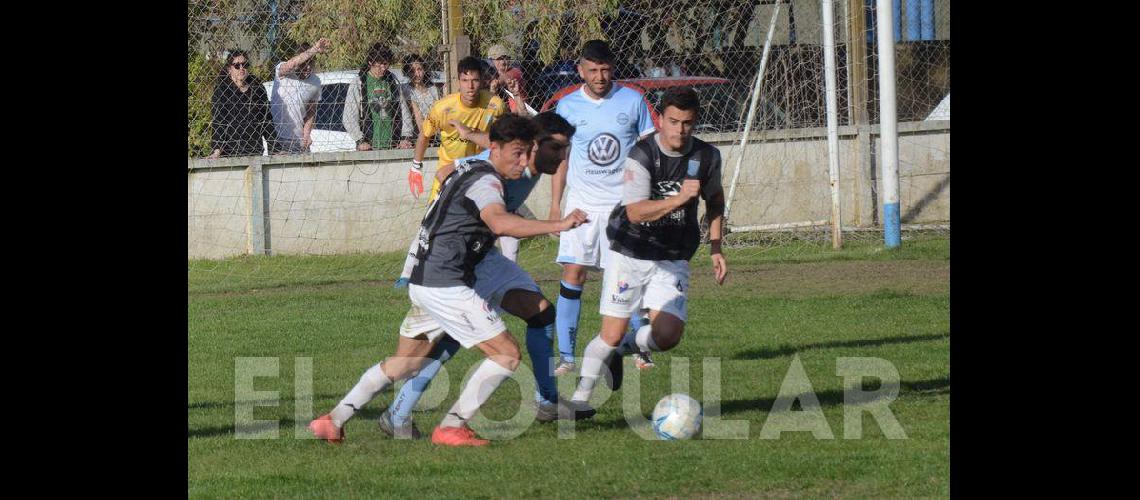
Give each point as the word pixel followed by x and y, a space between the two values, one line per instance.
pixel 593 362
pixel 645 341
pixel 478 389
pixel 371 383
pixel 639 341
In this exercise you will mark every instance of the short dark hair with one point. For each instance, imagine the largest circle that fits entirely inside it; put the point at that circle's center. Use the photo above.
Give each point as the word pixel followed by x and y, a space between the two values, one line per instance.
pixel 598 51
pixel 232 54
pixel 513 127
pixel 682 98
pixel 550 123
pixel 379 52
pixel 470 63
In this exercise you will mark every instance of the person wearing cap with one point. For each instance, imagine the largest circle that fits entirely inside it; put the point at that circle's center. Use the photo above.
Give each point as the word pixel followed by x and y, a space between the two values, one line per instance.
pixel 509 77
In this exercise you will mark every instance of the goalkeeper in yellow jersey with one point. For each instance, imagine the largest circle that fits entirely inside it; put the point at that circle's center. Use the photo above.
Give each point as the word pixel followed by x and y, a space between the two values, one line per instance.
pixel 474 107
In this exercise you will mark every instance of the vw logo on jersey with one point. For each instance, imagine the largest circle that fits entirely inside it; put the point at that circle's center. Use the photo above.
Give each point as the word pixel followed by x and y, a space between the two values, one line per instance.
pixel 604 149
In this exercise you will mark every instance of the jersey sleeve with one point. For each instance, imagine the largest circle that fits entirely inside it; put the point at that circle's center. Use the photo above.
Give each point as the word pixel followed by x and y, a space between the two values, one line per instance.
pixel 712 184
pixel 485 191
pixel 434 120
pixel 644 118
pixel 635 185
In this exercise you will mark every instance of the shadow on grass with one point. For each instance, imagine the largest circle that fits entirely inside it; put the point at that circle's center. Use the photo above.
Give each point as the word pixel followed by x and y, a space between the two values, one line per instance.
pixel 214 405
pixel 788 350
pixel 284 425
pixel 836 398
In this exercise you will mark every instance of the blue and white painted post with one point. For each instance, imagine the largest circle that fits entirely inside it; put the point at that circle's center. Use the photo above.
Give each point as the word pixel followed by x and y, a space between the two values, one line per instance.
pixel 888 125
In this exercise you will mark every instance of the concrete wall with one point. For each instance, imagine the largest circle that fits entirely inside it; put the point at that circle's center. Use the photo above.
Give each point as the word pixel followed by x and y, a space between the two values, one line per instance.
pixel 358 202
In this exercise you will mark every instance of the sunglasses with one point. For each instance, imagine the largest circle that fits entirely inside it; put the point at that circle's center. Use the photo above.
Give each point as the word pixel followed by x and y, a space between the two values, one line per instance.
pixel 240 65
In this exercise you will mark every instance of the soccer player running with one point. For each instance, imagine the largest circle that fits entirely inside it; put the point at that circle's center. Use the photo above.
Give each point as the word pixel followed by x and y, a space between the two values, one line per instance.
pixel 653 233
pixel 609 119
pixel 456 234
pixel 494 279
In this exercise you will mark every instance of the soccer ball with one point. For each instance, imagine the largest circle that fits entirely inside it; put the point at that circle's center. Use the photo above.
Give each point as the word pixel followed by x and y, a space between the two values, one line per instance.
pixel 677 416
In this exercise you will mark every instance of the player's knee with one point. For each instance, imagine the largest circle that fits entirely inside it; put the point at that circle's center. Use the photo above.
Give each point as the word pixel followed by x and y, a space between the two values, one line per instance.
pixel 544 318
pixel 573 274
pixel 509 357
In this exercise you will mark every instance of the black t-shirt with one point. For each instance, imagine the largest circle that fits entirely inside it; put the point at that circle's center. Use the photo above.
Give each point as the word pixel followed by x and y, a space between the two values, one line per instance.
pixel 677 235
pixel 453 237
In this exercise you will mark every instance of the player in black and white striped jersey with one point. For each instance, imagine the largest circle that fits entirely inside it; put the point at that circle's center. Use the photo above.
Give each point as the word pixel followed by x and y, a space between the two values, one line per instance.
pixel 653 233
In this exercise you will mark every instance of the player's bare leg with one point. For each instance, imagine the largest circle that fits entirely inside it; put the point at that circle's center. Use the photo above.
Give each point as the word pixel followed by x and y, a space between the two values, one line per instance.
pixel 603 354
pixel 540 317
pixel 410 355
pixel 502 359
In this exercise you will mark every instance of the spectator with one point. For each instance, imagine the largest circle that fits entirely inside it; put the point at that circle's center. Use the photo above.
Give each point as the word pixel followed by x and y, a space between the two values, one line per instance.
pixel 240 111
pixel 420 91
pixel 293 101
pixel 378 91
pixel 508 77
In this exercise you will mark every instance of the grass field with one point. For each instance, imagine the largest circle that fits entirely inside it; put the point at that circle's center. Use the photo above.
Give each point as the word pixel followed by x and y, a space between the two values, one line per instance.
pixel 800 301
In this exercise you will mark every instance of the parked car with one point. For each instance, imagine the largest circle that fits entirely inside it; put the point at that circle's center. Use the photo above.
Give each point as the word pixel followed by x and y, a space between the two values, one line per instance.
pixel 328 131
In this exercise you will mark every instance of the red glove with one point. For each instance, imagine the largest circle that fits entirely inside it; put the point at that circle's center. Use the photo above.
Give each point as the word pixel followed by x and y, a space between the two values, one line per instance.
pixel 416 178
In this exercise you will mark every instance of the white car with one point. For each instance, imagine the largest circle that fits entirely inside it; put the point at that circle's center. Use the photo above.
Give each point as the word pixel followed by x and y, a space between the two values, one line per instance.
pixel 328 131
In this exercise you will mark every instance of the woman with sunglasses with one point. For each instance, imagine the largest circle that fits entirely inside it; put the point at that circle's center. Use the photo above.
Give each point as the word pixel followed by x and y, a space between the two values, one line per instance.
pixel 240 111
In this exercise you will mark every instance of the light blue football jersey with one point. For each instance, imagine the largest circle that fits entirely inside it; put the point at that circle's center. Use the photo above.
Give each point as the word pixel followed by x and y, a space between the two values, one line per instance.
pixel 516 191
pixel 606 130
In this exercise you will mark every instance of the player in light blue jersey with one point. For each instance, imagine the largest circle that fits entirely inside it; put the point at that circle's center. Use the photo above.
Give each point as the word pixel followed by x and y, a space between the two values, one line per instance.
pixel 609 118
pixel 550 150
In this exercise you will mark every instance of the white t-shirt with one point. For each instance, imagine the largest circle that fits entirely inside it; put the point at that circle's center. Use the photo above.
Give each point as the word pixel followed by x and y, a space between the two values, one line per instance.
pixel 287 104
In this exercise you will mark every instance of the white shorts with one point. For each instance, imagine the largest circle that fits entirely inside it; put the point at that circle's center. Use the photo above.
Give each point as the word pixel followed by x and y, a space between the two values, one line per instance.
pixel 495 275
pixel 586 245
pixel 659 285
pixel 465 316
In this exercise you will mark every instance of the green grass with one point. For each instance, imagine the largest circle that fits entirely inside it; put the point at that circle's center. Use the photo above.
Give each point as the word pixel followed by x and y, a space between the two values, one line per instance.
pixel 799 300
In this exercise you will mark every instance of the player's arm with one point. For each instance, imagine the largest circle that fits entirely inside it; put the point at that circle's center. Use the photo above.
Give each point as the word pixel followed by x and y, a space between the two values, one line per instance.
pixel 481 139
pixel 714 210
pixel 636 189
pixel 504 223
pixel 442 172
pixel 416 171
pixel 557 185
pixel 645 125
pixel 714 207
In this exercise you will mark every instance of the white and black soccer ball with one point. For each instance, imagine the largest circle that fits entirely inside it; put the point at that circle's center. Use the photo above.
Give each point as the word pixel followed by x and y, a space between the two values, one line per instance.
pixel 677 416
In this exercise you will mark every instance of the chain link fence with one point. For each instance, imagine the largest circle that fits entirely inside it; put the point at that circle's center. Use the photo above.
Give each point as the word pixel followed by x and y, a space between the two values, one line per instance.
pixel 781 194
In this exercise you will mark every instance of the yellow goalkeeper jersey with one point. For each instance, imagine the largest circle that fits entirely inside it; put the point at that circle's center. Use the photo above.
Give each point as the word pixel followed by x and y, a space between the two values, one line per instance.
pixel 477 117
